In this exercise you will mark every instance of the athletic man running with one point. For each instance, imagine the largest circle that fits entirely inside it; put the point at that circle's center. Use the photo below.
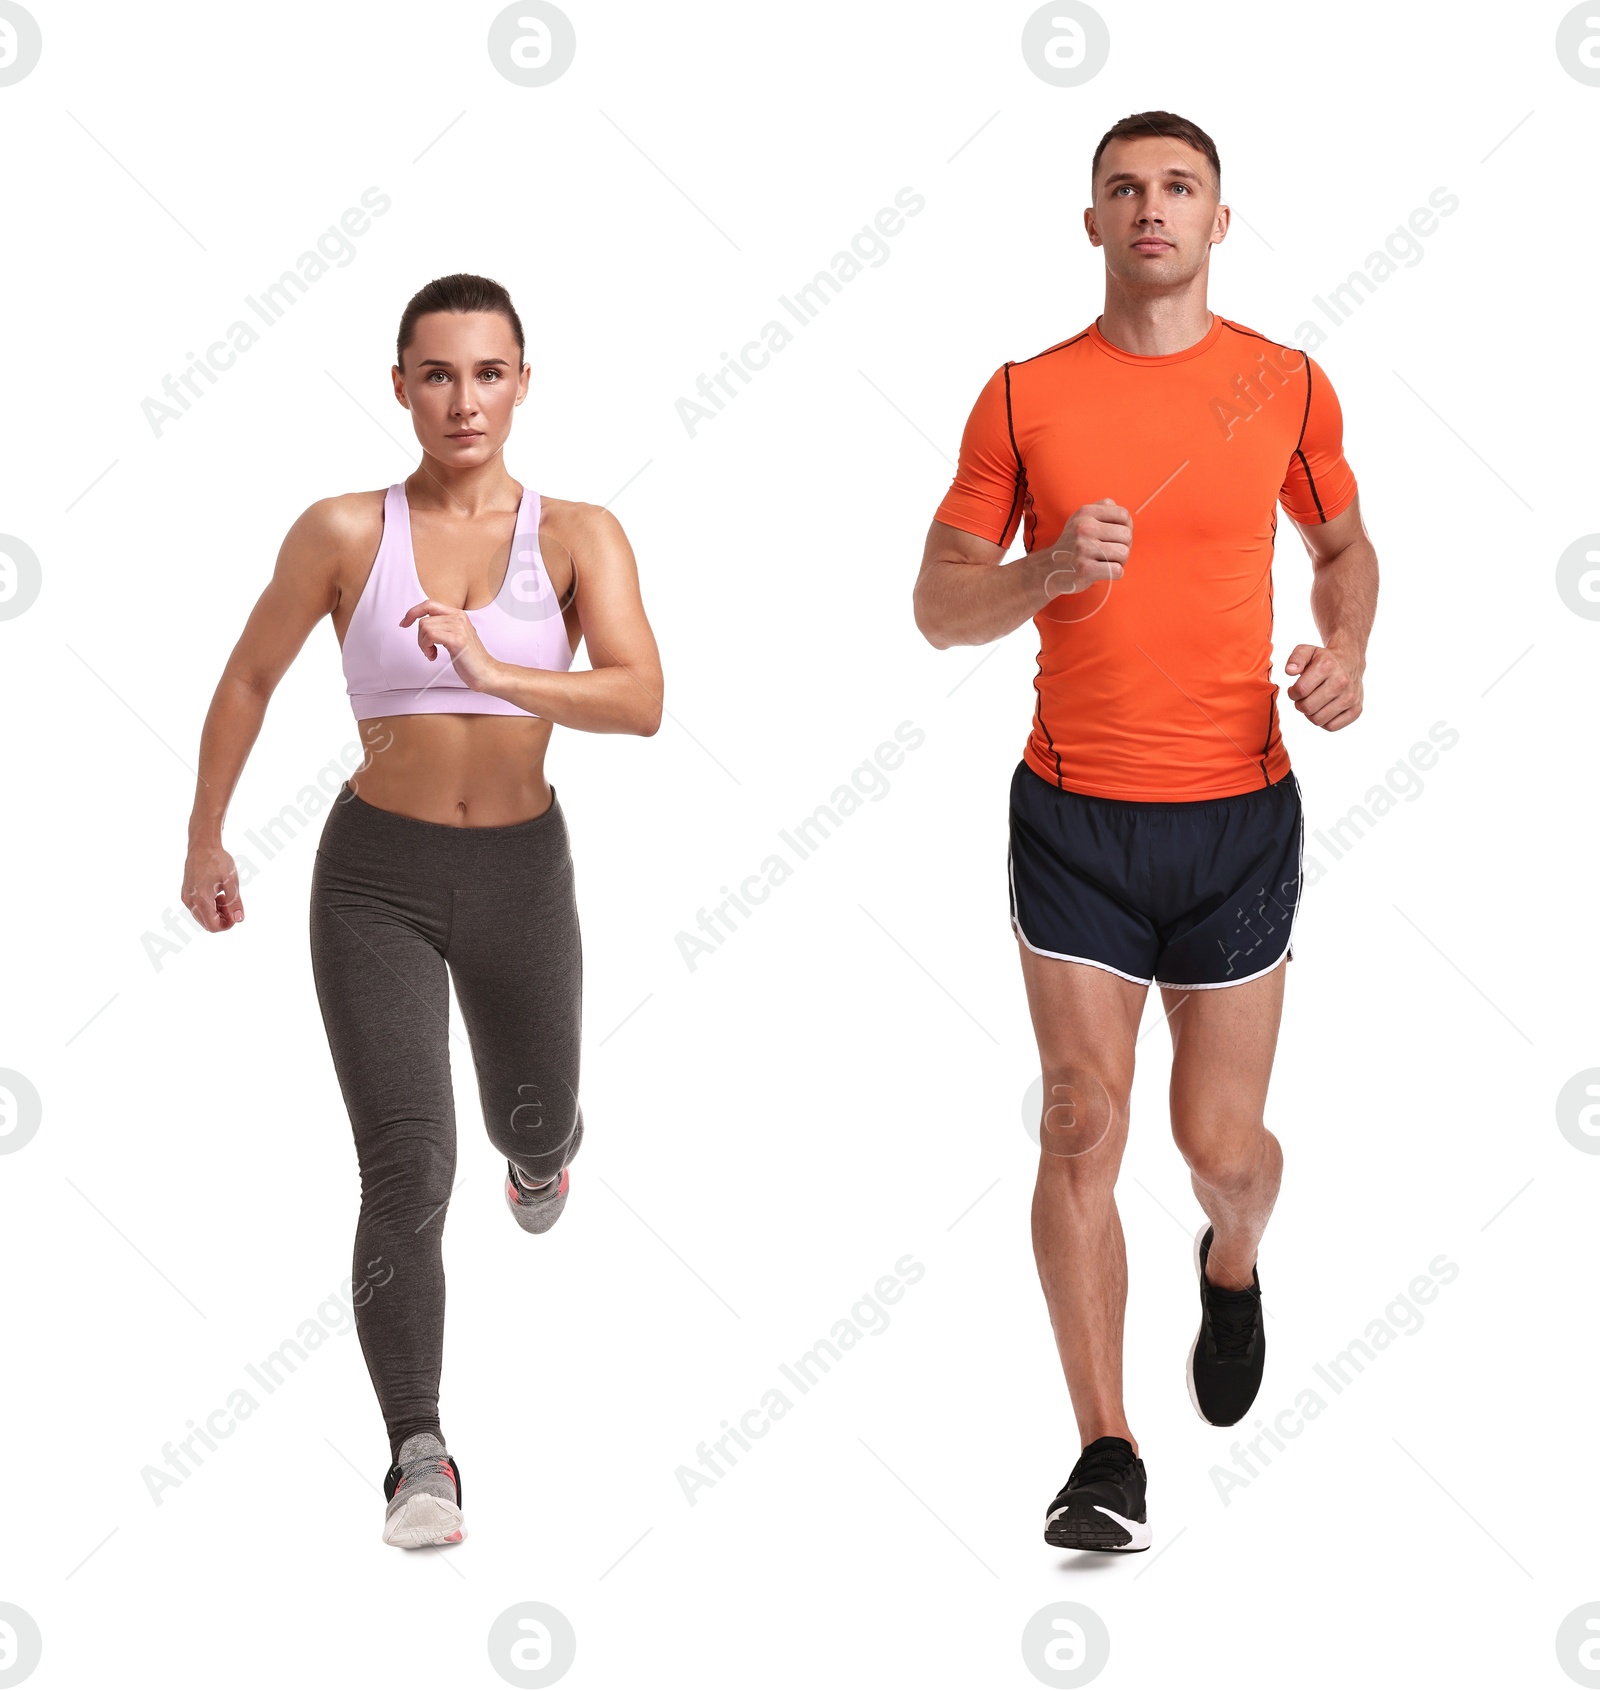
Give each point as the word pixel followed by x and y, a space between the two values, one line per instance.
pixel 1155 826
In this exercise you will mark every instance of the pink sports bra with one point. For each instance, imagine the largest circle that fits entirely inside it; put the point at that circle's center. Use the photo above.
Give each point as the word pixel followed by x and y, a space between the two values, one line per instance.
pixel 385 671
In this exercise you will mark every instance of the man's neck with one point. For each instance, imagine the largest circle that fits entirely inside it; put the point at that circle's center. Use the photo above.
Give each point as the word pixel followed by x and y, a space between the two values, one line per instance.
pixel 1155 325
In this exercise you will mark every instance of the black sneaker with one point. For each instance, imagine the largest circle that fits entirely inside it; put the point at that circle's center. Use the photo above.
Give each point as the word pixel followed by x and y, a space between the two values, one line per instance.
pixel 1101 1507
pixel 1230 1350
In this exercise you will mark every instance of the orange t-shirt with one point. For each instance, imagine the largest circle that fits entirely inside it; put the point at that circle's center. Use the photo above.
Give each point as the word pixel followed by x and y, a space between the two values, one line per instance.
pixel 1158 686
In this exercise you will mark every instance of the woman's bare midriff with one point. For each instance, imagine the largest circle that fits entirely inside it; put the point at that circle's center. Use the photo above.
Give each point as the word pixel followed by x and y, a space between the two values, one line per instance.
pixel 467 771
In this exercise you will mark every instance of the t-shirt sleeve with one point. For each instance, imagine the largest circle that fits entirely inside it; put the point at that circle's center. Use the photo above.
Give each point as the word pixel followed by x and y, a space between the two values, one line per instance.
pixel 1320 484
pixel 986 496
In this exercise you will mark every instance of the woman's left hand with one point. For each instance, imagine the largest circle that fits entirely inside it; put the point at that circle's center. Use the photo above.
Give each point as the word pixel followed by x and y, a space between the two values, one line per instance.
pixel 450 627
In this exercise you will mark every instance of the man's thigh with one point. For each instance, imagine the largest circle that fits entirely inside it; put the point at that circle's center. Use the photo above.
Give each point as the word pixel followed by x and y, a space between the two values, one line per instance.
pixel 1223 1042
pixel 1086 1021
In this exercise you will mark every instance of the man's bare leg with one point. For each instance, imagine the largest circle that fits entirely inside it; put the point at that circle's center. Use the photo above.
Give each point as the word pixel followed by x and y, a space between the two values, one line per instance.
pixel 1223 1041
pixel 1085 1021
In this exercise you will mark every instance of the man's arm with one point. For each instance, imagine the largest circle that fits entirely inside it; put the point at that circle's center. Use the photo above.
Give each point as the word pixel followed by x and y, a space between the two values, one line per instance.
pixel 964 595
pixel 1344 598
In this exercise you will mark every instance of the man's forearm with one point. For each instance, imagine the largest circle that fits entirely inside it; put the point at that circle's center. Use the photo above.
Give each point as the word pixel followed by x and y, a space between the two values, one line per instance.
pixel 1344 599
pixel 961 604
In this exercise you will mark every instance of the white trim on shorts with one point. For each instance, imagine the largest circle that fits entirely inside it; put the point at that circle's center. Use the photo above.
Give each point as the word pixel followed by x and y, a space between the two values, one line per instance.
pixel 1060 956
pixel 1213 986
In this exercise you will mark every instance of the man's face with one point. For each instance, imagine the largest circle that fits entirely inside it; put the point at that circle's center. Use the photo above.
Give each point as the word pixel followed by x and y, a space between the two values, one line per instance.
pixel 1156 210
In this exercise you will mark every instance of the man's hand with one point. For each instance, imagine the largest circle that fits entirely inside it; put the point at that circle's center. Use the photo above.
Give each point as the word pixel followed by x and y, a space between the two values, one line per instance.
pixel 1328 690
pixel 1093 547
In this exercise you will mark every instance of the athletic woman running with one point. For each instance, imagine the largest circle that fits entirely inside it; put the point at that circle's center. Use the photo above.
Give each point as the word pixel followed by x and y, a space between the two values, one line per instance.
pixel 458 597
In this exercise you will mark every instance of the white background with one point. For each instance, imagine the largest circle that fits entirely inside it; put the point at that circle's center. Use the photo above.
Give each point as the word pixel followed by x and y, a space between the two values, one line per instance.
pixel 842 1083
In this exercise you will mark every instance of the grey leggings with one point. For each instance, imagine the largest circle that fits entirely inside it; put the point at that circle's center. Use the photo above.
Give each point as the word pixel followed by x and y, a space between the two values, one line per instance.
pixel 394 901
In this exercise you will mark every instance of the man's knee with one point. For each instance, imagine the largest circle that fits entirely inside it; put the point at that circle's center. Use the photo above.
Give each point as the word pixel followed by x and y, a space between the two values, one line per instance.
pixel 1222 1154
pixel 1083 1122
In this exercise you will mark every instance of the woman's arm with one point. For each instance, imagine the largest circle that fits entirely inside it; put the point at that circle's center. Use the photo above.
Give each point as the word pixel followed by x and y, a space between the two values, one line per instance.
pixel 304 588
pixel 621 692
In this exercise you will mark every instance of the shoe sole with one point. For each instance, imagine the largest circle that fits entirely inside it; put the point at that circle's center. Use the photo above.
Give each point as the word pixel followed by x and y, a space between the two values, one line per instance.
pixel 423 1520
pixel 1080 1526
pixel 1194 1397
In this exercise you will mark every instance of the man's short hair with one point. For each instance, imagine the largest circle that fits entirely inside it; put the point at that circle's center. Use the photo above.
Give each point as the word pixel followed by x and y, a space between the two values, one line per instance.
pixel 1159 123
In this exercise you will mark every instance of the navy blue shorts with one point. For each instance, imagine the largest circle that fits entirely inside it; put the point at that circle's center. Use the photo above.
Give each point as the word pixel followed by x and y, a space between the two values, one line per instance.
pixel 1190 895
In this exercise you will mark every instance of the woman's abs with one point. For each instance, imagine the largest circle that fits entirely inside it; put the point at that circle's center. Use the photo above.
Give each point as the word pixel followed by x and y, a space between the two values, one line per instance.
pixel 463 770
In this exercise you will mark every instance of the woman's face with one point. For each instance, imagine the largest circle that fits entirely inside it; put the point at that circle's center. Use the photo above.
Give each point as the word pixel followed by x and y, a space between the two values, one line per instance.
pixel 461 382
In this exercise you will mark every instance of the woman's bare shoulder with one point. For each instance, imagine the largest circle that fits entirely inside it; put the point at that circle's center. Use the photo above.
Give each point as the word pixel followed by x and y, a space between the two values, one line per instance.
pixel 579 524
pixel 349 524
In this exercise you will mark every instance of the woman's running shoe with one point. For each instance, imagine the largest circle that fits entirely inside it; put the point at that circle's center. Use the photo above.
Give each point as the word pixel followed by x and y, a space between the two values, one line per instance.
pixel 537 1208
pixel 423 1489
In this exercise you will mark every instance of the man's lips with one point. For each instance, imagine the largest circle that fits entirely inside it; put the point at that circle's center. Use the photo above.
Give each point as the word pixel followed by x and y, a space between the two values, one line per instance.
pixel 466 434
pixel 1152 243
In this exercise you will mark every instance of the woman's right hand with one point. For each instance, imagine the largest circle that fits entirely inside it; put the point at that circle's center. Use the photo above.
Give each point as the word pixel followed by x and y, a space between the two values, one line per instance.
pixel 211 888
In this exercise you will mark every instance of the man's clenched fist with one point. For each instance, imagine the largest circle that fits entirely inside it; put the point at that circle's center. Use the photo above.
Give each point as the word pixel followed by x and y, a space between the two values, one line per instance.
pixel 1328 688
pixel 1093 547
